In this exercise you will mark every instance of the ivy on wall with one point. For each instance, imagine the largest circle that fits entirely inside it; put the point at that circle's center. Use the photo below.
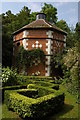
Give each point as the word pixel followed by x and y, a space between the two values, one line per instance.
pixel 26 58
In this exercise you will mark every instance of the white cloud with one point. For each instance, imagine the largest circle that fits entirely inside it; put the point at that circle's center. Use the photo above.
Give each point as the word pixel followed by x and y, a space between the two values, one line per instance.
pixel 59 4
pixel 35 6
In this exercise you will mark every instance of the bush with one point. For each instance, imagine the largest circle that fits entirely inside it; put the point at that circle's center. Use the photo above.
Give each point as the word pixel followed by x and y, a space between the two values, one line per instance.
pixel 32 93
pixel 71 73
pixel 9 77
pixel 11 88
pixel 42 91
pixel 34 108
pixel 32 79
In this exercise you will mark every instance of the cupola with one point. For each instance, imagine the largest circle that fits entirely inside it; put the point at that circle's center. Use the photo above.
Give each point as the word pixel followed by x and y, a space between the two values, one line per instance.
pixel 40 16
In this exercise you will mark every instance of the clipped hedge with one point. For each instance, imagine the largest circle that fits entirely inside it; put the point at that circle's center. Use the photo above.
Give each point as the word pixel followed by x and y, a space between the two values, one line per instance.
pixel 33 93
pixel 31 79
pixel 11 88
pixel 34 108
pixel 41 89
pixel 36 77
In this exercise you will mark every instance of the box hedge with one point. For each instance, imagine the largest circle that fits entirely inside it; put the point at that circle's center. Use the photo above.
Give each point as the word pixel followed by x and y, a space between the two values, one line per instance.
pixel 31 79
pixel 34 108
pixel 41 89
pixel 11 88
pixel 33 93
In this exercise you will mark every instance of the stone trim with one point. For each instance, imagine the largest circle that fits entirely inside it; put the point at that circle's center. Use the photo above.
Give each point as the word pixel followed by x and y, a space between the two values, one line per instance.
pixel 47 67
pixel 14 38
pixel 37 45
pixel 64 38
pixel 25 33
pixel 49 34
pixel 64 41
pixel 25 43
pixel 49 47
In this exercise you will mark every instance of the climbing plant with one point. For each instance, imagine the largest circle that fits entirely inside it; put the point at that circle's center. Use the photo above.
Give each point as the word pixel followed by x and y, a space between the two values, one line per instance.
pixel 26 58
pixel 57 64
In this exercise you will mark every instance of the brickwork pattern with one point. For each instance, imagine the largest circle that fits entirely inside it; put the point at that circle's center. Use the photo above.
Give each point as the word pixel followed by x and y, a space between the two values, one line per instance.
pixel 49 41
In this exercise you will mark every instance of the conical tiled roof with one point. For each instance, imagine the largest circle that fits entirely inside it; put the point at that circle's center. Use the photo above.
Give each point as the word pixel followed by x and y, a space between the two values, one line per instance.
pixel 40 23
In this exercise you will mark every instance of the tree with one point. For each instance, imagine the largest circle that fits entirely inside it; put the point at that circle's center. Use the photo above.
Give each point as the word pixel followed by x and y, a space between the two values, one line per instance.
pixel 63 25
pixel 23 16
pixel 33 16
pixel 7 48
pixel 71 74
pixel 77 31
pixel 72 34
pixel 7 43
pixel 50 11
pixel 11 23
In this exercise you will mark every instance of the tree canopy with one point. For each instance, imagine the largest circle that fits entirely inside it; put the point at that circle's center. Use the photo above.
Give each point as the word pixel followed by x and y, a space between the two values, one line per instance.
pixel 51 12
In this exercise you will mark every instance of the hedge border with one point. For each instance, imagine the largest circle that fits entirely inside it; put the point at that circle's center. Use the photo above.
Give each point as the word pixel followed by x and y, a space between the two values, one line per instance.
pixel 34 108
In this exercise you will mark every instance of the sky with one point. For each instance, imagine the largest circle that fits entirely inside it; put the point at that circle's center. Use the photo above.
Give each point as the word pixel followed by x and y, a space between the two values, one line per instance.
pixel 67 11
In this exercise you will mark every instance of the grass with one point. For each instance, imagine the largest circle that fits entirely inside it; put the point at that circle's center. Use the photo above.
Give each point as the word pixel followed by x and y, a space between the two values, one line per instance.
pixel 70 109
pixel 7 114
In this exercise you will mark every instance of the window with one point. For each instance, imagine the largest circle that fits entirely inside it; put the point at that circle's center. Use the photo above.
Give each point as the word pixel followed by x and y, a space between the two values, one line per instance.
pixel 18 43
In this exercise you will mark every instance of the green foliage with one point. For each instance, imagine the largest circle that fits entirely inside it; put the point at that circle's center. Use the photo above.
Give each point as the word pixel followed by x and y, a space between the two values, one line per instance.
pixel 73 36
pixel 27 58
pixel 63 25
pixel 33 16
pixel 3 89
pixel 71 73
pixel 43 80
pixel 9 77
pixel 56 62
pixel 23 16
pixel 50 12
pixel 32 93
pixel 34 108
pixel 77 31
pixel 11 23
pixel 42 90
pixel 7 47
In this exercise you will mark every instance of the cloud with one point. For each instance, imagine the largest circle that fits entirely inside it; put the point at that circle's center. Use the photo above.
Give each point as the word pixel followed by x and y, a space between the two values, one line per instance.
pixel 60 4
pixel 34 6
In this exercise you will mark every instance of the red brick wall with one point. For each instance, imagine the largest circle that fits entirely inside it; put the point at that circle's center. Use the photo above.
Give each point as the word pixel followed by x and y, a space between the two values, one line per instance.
pixel 34 69
pixel 34 36
pixel 58 42
pixel 57 35
pixel 41 41
pixel 37 33
pixel 18 36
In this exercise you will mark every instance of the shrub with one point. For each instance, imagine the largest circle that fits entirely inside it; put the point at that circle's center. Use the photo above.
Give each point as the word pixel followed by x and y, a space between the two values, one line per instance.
pixel 33 93
pixel 42 91
pixel 32 79
pixel 55 86
pixel 11 88
pixel 71 73
pixel 34 108
pixel 9 77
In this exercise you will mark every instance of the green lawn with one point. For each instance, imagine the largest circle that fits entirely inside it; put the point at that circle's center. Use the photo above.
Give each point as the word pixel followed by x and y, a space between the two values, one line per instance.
pixel 70 109
pixel 9 114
